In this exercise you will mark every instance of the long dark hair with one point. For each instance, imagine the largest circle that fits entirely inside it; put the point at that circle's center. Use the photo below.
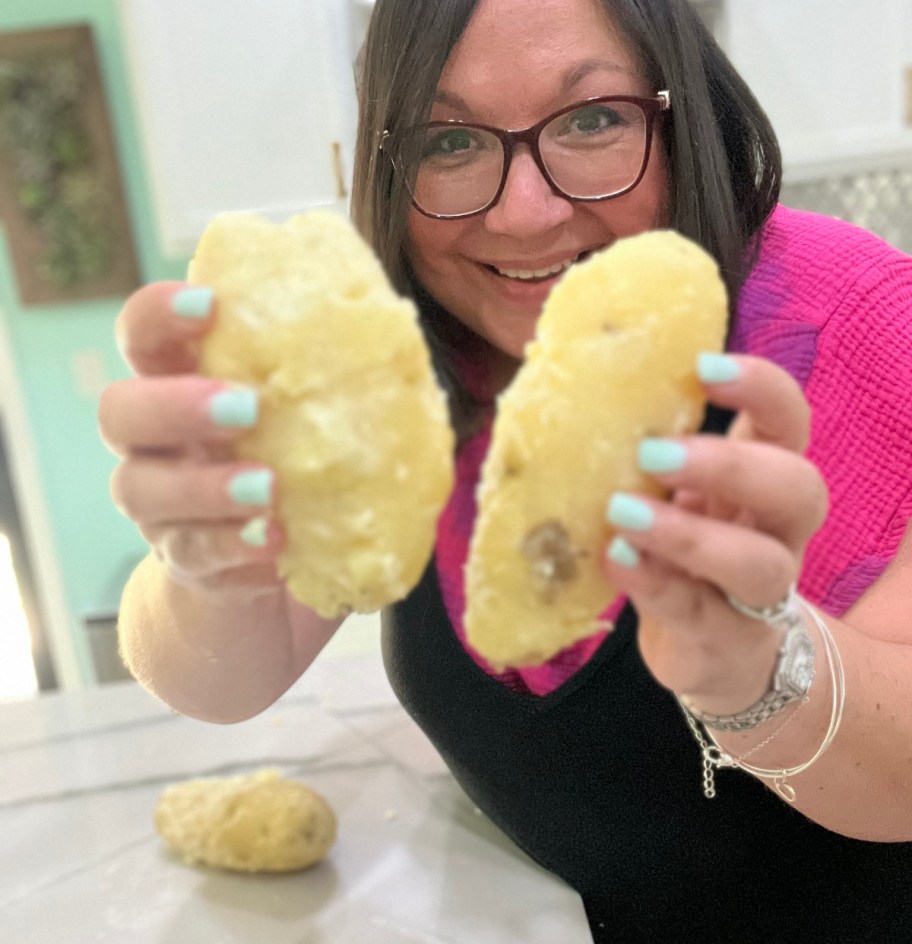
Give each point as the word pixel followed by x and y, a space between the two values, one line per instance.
pixel 722 155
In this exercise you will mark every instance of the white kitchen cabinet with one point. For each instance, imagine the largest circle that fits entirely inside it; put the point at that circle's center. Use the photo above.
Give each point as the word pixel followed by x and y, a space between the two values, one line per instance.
pixel 247 105
pixel 830 73
pixel 241 106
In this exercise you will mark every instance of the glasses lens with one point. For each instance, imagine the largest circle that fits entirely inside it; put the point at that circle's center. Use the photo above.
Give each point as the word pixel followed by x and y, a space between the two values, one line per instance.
pixel 596 150
pixel 454 169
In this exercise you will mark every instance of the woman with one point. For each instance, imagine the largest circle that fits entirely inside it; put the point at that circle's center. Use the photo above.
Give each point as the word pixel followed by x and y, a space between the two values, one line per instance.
pixel 589 762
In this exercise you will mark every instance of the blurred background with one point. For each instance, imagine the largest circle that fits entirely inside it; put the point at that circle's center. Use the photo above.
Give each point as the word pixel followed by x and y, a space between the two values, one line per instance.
pixel 200 106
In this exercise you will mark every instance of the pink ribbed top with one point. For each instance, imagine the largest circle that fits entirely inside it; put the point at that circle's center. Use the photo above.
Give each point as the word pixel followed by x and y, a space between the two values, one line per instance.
pixel 832 304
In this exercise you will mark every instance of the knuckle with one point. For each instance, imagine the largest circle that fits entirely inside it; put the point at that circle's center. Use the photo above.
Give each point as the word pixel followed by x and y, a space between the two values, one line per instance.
pixel 804 423
pixel 782 572
pixel 109 403
pixel 772 573
pixel 124 493
pixel 820 500
pixel 686 545
pixel 188 549
pixel 204 553
pixel 106 404
pixel 126 325
pixel 205 490
pixel 813 495
pixel 151 535
pixel 682 540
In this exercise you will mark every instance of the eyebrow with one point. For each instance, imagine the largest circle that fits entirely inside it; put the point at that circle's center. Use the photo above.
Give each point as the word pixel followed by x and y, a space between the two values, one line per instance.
pixel 451 100
pixel 570 79
pixel 586 68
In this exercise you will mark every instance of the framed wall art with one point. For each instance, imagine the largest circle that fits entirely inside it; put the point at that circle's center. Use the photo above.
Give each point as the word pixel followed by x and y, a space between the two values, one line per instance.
pixel 62 200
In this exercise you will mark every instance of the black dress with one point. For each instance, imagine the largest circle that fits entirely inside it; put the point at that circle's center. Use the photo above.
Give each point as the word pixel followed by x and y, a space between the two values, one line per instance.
pixel 600 781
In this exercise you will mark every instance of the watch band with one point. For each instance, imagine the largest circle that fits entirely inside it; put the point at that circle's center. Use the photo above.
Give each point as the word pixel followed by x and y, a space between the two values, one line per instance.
pixel 770 704
pixel 790 682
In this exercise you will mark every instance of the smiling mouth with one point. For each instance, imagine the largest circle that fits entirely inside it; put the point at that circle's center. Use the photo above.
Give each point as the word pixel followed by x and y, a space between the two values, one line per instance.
pixel 538 275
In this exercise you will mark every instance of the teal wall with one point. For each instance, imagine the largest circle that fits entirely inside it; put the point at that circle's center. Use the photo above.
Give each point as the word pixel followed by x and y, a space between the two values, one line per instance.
pixel 96 547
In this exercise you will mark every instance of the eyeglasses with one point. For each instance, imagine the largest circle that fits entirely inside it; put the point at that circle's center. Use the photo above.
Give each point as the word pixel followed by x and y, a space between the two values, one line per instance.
pixel 592 150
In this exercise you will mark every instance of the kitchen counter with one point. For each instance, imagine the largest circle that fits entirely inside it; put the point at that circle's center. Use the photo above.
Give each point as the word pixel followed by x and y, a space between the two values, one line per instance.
pixel 415 862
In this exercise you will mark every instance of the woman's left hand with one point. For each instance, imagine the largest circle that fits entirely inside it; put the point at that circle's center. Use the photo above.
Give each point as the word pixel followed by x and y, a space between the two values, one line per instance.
pixel 742 510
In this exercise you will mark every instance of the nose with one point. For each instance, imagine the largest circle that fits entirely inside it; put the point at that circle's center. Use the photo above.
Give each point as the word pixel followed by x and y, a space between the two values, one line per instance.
pixel 528 206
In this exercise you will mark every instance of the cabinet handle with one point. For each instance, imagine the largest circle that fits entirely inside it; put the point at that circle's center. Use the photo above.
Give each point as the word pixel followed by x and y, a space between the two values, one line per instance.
pixel 339 168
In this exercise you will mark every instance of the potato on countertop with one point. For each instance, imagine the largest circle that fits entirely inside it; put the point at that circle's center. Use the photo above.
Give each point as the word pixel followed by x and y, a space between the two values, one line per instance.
pixel 257 823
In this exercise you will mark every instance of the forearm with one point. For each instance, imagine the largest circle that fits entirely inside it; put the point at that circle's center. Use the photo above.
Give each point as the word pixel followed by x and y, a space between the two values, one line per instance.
pixel 217 658
pixel 862 785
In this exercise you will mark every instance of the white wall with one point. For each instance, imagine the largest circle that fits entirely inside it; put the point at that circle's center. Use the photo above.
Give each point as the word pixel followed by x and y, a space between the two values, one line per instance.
pixel 830 73
pixel 250 109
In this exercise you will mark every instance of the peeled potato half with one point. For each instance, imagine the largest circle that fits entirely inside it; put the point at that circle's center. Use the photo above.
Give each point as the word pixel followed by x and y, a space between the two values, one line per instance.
pixel 352 419
pixel 614 361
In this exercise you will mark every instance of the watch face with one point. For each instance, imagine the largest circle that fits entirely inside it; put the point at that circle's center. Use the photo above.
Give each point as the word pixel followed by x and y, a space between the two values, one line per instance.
pixel 797 667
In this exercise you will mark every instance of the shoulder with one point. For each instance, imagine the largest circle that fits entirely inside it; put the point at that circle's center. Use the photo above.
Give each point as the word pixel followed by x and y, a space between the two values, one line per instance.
pixel 809 266
pixel 832 304
pixel 815 276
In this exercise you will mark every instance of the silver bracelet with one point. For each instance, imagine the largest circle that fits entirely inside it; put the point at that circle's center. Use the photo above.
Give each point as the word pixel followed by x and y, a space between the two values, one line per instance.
pixel 792 677
pixel 715 756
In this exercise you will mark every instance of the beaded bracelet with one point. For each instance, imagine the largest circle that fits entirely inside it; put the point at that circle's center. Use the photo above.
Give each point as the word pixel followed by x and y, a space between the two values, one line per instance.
pixel 715 756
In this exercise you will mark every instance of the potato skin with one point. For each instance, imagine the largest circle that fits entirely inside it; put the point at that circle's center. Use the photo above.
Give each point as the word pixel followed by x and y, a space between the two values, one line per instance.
pixel 614 361
pixel 352 419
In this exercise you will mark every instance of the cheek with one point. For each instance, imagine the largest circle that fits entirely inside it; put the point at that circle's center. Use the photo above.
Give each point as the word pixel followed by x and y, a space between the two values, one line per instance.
pixel 645 207
pixel 430 243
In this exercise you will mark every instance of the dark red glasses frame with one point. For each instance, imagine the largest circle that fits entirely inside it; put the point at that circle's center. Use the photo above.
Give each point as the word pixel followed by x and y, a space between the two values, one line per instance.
pixel 651 107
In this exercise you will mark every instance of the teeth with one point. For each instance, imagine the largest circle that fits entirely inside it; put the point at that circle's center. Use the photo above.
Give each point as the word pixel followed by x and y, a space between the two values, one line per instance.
pixel 529 274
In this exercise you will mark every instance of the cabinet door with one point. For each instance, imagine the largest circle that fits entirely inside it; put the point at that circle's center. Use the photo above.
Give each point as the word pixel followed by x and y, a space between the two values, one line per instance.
pixel 241 106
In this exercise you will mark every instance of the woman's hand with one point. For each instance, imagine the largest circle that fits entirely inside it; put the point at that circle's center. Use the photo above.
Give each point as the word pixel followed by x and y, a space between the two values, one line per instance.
pixel 742 511
pixel 205 515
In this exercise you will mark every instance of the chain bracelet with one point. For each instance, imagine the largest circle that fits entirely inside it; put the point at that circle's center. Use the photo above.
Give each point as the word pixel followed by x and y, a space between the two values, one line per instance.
pixel 709 761
pixel 714 756
pixel 775 733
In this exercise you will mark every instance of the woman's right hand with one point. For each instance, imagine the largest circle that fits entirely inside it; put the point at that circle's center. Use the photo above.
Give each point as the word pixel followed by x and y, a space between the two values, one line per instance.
pixel 205 514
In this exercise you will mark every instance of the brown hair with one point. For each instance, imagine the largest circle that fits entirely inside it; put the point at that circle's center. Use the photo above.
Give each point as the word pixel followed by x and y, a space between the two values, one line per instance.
pixel 722 154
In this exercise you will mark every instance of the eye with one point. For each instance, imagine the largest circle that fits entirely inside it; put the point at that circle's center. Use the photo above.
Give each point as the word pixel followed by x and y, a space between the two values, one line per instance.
pixel 449 141
pixel 591 119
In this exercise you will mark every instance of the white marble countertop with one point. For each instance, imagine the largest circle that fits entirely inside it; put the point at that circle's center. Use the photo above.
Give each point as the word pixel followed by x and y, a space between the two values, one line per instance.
pixel 414 863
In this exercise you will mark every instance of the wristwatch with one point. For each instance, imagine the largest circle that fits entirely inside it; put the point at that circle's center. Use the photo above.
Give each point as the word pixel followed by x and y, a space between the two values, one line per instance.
pixel 792 678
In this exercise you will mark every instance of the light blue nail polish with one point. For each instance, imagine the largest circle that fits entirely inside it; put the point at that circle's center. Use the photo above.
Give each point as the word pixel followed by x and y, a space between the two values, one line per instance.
pixel 661 455
pixel 256 532
pixel 195 301
pixel 251 488
pixel 717 368
pixel 623 553
pixel 625 511
pixel 234 408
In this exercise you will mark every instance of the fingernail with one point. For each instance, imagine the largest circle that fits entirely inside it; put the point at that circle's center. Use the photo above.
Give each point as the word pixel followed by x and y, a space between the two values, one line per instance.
pixel 717 368
pixel 194 301
pixel 238 408
pixel 623 553
pixel 256 532
pixel 628 512
pixel 661 455
pixel 251 488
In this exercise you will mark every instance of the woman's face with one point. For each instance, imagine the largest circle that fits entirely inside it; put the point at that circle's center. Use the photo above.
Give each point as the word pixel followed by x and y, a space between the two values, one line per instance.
pixel 518 62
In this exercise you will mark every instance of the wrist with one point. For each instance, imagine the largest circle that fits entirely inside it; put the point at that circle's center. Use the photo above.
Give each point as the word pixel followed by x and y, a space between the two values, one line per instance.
pixel 746 682
pixel 826 700
pixel 788 683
